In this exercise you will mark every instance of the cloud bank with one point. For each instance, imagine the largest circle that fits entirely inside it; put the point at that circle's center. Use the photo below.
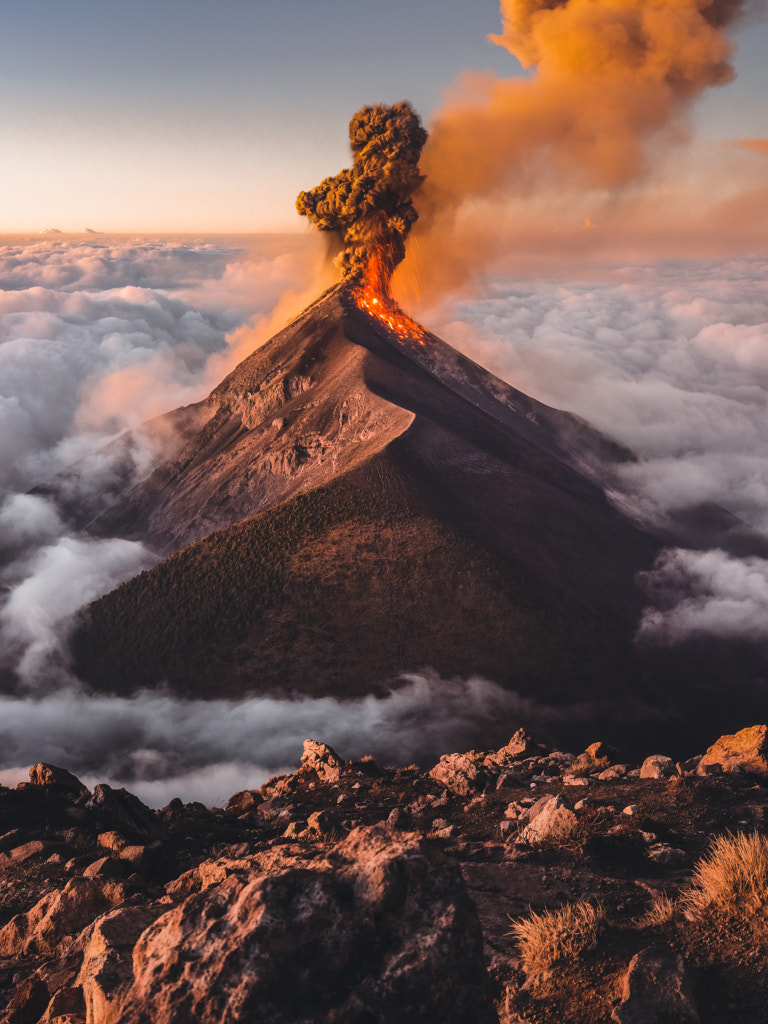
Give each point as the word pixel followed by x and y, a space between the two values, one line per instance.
pixel 672 360
pixel 669 358
pixel 97 337
pixel 160 746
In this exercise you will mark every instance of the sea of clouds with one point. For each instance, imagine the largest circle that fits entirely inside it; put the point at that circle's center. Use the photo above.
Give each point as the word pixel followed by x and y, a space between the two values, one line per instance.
pixel 99 335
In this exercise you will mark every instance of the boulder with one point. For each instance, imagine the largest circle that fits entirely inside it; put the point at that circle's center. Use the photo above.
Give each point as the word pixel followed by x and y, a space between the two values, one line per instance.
pixel 550 820
pixel 379 929
pixel 597 757
pixel 107 968
pixel 459 774
pixel 28 1002
pixel 746 749
pixel 58 779
pixel 66 1002
pixel 520 746
pixel 244 801
pixel 58 915
pixel 658 766
pixel 657 989
pixel 323 760
pixel 122 812
pixel 104 867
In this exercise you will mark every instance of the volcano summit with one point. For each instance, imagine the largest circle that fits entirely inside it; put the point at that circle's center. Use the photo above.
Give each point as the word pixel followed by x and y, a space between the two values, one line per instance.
pixel 357 501
pixel 350 505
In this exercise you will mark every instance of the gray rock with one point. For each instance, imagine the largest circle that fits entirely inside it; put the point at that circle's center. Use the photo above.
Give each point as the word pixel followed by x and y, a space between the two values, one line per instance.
pixel 380 929
pixel 668 856
pixel 657 990
pixel 658 766
pixel 59 779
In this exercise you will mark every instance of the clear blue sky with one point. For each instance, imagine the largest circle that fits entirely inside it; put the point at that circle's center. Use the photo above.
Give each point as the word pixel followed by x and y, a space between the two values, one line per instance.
pixel 188 115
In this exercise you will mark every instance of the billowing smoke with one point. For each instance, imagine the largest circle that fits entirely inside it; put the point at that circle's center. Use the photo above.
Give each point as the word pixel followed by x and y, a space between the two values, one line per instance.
pixel 369 206
pixel 611 83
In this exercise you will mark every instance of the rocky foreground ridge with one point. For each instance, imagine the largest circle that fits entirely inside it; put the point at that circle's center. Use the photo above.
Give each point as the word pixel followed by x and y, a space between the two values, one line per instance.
pixel 521 884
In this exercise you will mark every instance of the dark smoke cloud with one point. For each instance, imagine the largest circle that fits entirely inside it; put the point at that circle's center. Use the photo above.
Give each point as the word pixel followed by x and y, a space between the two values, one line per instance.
pixel 369 206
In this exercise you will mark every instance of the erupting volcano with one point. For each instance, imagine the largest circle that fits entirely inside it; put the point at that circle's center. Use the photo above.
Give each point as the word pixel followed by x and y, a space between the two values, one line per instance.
pixel 347 506
pixel 369 208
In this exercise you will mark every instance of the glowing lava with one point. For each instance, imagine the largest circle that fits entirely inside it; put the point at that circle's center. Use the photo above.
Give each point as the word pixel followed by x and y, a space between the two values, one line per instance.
pixel 374 297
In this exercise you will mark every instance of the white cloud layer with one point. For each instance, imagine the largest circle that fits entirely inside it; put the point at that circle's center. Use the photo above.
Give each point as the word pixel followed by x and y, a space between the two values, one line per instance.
pixel 96 336
pixel 707 592
pixel 671 360
pixel 160 746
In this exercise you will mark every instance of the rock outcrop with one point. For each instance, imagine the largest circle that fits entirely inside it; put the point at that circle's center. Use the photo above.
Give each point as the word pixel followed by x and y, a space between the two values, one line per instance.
pixel 347 891
pixel 746 750
pixel 380 930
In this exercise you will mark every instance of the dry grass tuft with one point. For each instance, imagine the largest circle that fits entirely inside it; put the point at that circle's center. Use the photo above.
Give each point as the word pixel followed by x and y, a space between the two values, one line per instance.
pixel 660 912
pixel 733 876
pixel 557 934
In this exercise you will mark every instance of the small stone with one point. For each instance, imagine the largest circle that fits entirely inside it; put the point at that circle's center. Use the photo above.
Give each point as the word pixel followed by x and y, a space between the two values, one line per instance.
pixel 399 820
pixel 668 856
pixel 576 780
pixel 658 766
pixel 294 829
pixel 246 800
pixel 322 821
pixel 631 809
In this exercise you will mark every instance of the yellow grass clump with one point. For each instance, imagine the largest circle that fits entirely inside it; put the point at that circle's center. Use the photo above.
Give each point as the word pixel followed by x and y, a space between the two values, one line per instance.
pixel 733 876
pixel 660 913
pixel 557 934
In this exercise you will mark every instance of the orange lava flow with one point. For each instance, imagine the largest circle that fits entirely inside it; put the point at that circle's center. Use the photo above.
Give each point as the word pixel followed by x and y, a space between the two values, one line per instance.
pixel 373 297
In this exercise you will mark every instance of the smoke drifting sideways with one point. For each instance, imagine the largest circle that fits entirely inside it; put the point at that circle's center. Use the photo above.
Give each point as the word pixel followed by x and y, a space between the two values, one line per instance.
pixel 610 87
pixel 369 207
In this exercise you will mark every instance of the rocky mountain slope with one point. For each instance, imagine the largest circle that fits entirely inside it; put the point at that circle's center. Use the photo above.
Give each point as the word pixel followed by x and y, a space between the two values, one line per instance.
pixel 517 885
pixel 362 504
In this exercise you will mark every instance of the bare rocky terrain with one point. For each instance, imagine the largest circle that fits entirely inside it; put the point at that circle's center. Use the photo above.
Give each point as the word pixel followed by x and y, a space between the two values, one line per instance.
pixel 352 892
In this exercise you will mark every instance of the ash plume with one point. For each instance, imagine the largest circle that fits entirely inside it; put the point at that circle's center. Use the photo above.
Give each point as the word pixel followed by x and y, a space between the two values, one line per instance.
pixel 369 205
pixel 611 83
